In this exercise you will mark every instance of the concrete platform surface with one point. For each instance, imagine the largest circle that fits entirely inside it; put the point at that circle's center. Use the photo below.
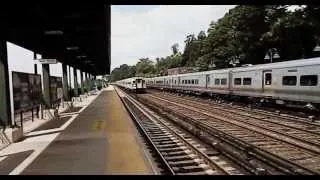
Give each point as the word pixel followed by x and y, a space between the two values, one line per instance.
pixel 101 139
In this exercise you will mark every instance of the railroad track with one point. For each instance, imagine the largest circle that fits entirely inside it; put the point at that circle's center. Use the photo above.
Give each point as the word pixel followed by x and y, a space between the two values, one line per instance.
pixel 244 107
pixel 295 159
pixel 287 118
pixel 179 153
pixel 308 135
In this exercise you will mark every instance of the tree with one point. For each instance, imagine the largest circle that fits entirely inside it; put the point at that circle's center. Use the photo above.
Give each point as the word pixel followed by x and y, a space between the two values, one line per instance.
pixel 194 48
pixel 175 48
pixel 122 72
pixel 238 34
pixel 201 36
pixel 245 32
pixel 188 53
pixel 145 66
pixel 294 35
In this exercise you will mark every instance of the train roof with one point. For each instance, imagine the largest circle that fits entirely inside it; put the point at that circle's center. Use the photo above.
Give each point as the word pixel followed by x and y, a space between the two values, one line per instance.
pixel 130 79
pixel 284 64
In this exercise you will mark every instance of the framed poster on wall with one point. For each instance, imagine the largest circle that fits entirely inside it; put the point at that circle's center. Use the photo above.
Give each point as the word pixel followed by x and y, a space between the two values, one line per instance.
pixel 26 90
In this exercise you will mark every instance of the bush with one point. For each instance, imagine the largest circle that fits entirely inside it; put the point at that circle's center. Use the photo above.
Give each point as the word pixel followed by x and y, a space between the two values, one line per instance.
pixel 85 90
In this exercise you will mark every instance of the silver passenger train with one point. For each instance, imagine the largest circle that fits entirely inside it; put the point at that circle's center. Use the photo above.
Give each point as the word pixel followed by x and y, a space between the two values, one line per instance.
pixel 135 84
pixel 291 82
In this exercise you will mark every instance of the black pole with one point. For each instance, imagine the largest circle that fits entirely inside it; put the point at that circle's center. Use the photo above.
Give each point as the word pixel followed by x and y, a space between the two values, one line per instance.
pixel 35 69
pixel 35 64
pixel 5 109
pixel 70 78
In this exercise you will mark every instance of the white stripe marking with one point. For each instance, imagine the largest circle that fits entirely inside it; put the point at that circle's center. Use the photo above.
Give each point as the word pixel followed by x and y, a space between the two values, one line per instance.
pixel 45 140
pixel 34 155
pixel 2 158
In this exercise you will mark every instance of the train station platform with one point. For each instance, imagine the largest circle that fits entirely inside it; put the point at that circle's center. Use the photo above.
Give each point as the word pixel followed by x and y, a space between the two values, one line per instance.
pixel 98 139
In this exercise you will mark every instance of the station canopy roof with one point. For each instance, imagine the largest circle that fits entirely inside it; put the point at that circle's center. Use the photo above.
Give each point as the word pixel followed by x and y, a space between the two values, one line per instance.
pixel 76 34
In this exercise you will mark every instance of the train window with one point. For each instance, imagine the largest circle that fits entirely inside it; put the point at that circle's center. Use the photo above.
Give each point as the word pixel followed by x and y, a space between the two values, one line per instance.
pixel 192 81
pixel 268 79
pixel 289 80
pixel 197 81
pixel 223 81
pixel 217 81
pixel 308 80
pixel 182 81
pixel 175 81
pixel 246 81
pixel 189 81
pixel 237 81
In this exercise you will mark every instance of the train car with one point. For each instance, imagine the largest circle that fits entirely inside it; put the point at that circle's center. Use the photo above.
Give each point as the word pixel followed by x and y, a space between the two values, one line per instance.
pixel 149 82
pixel 191 82
pixel 284 82
pixel 217 82
pixel 158 82
pixel 290 82
pixel 135 84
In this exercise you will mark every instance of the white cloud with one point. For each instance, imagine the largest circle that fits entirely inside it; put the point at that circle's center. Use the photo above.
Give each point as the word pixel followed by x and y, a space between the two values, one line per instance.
pixel 151 33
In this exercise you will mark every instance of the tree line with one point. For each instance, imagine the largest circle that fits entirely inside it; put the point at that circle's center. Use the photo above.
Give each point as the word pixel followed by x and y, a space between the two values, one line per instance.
pixel 243 36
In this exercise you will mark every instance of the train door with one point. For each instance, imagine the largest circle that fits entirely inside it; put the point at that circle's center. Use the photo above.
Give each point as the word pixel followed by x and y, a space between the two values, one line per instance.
pixel 164 82
pixel 143 83
pixel 134 84
pixel 230 87
pixel 207 80
pixel 138 83
pixel 267 80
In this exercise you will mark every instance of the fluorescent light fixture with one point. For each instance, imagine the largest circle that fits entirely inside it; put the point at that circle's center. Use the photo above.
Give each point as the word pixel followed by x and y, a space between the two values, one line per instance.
pixel 267 56
pixel 53 32
pixel 276 55
pixel 83 56
pixel 317 48
pixel 70 48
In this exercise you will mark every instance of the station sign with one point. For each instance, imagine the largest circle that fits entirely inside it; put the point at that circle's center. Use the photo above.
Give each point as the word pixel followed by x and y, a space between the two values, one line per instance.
pixel 48 61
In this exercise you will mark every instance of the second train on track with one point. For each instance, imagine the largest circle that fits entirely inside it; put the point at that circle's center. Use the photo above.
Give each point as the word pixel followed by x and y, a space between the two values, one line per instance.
pixel 294 83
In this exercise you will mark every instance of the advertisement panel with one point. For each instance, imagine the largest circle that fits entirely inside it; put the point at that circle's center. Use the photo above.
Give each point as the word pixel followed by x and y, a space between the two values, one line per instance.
pixel 26 90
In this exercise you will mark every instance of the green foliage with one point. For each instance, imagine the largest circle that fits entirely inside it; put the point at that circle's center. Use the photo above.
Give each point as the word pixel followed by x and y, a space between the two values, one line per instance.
pixel 294 35
pixel 175 48
pixel 246 33
pixel 144 67
pixel 122 72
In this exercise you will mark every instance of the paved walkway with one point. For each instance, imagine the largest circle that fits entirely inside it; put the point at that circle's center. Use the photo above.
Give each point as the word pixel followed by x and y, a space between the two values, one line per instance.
pixel 99 139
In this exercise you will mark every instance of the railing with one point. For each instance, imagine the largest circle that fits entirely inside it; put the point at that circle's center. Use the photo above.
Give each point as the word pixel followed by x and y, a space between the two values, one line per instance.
pixel 21 112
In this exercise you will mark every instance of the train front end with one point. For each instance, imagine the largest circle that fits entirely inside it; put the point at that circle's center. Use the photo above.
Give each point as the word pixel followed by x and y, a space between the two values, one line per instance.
pixel 140 85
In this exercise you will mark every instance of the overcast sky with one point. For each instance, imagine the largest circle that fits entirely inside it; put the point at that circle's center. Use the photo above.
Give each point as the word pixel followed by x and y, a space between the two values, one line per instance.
pixel 149 31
